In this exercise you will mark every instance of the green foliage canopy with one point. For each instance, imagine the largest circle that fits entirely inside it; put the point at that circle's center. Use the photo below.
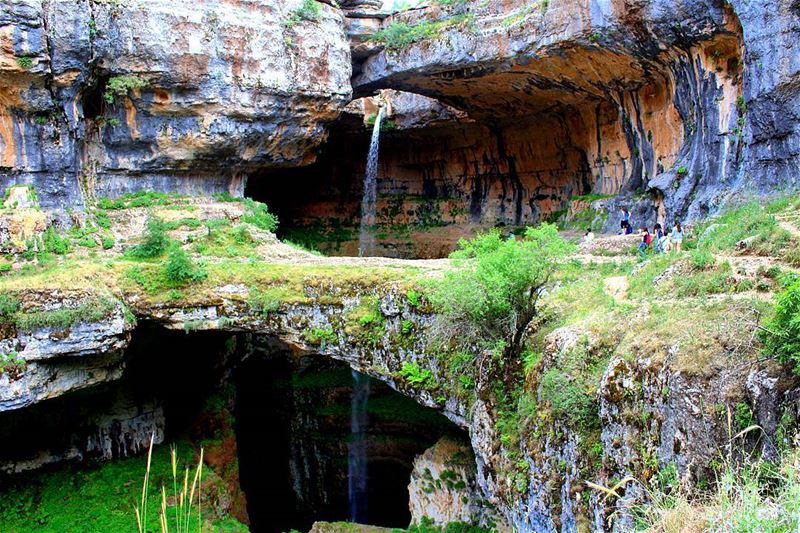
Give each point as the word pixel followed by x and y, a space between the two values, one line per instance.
pixel 493 292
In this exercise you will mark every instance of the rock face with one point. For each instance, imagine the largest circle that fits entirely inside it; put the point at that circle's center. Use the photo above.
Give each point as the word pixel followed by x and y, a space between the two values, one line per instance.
pixel 443 487
pixel 678 101
pixel 102 98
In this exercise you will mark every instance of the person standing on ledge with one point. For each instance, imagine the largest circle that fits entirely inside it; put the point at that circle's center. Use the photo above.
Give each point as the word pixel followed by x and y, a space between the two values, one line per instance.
pixel 677 236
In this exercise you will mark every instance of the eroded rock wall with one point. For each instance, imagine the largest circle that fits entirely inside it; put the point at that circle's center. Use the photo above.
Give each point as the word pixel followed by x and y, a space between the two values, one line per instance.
pixel 680 79
pixel 216 92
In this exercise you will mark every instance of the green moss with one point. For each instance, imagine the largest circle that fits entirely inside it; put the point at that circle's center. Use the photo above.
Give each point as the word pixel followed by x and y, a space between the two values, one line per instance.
pixel 366 322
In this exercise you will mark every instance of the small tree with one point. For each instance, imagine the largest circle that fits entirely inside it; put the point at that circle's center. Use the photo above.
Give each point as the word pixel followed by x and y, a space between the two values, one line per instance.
pixel 180 270
pixel 493 294
pixel 155 240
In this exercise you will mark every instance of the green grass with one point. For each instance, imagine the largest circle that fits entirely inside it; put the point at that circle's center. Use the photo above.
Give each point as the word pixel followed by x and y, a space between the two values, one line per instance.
pixel 400 35
pixel 94 499
pixel 753 219
pixel 92 310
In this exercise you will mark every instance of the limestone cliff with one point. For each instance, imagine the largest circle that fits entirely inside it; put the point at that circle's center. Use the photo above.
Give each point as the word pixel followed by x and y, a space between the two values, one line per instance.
pixel 101 98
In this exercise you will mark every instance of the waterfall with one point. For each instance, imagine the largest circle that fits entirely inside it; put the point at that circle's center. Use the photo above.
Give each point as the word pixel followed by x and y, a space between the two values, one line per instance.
pixel 357 450
pixel 366 239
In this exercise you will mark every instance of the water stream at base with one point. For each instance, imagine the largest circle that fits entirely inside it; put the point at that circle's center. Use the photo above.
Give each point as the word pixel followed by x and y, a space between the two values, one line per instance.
pixel 366 239
pixel 357 450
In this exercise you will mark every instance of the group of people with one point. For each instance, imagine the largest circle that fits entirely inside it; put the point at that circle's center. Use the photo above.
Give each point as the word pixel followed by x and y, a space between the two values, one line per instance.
pixel 661 239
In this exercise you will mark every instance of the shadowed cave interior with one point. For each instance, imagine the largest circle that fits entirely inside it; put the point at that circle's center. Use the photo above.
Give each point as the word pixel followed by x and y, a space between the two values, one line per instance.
pixel 290 428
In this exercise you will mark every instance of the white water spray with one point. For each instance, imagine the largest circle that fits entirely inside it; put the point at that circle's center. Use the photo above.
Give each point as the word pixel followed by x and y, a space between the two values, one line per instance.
pixel 366 238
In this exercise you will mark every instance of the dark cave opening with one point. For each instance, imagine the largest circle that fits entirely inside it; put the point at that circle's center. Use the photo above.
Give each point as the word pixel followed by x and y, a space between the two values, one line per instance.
pixel 293 429
pixel 92 101
pixel 443 176
pixel 289 424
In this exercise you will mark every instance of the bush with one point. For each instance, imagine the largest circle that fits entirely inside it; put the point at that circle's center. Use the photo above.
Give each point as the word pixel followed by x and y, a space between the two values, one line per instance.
pixel 180 270
pixel 13 365
pixel 309 11
pixel 320 336
pixel 155 241
pixel 118 86
pixel 266 301
pixel 108 242
pixel 258 215
pixel 783 339
pixel 9 305
pixel 417 377
pixel 55 243
pixel 702 259
pixel 399 35
pixel 492 295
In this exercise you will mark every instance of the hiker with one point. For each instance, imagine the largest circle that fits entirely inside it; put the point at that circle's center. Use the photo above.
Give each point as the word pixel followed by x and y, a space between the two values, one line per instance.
pixel 626 216
pixel 658 236
pixel 677 236
pixel 666 242
pixel 646 240
pixel 588 236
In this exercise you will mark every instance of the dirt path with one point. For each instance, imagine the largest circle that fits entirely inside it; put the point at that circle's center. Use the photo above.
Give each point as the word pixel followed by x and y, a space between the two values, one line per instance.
pixel 617 287
pixel 790 222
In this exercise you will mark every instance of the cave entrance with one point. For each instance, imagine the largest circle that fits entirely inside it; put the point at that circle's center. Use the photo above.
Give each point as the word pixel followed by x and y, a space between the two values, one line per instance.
pixel 294 438
pixel 444 175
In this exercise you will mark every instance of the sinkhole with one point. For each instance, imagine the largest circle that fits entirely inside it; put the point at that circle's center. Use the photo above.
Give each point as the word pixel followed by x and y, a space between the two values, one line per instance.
pixel 295 436
pixel 277 427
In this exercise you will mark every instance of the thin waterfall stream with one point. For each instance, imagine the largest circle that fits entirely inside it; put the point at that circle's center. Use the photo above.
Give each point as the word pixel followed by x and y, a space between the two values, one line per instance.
pixel 366 238
pixel 357 450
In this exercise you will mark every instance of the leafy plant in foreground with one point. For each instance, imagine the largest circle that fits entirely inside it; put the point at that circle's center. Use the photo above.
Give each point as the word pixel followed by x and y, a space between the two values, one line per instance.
pixel 180 270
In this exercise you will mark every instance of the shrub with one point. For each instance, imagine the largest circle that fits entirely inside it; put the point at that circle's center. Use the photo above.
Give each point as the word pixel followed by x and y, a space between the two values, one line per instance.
pixel 415 376
pixel 25 62
pixel 493 293
pixel 9 305
pixel 783 337
pixel 155 241
pixel 320 336
pixel 91 310
pixel 55 243
pixel 309 11
pixel 12 365
pixel 414 298
pixel 258 215
pixel 108 242
pixel 265 302
pixel 119 86
pixel 399 35
pixel 702 259
pixel 180 270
